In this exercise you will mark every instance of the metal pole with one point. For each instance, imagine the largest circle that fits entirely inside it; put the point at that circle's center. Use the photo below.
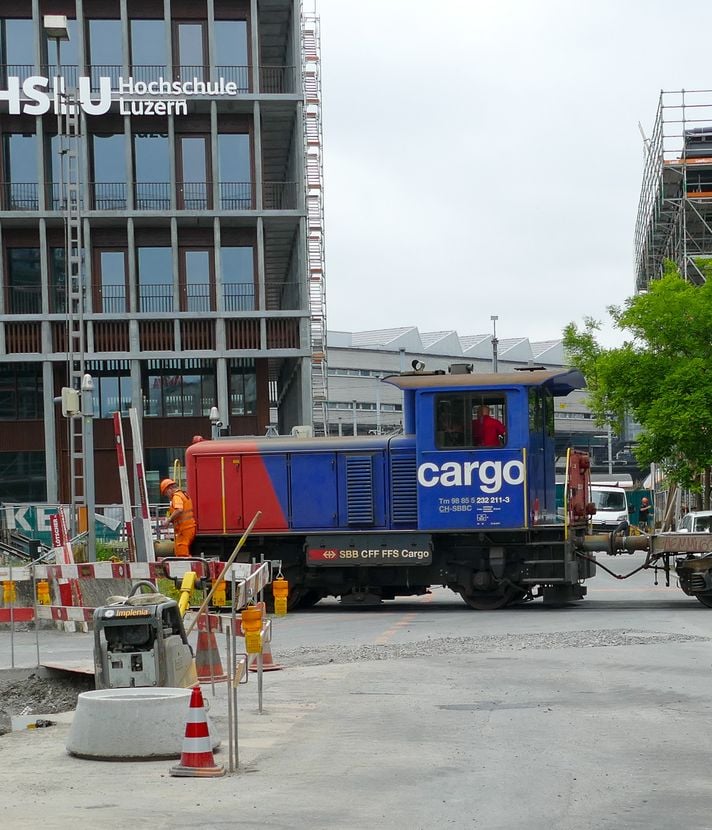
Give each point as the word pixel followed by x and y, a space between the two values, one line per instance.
pixel 228 651
pixel 378 405
pixel 12 621
pixel 33 580
pixel 610 450
pixel 495 342
pixel 88 462
pixel 354 414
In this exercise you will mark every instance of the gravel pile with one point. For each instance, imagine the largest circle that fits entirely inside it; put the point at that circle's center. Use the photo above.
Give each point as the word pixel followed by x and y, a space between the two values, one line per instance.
pixel 36 695
pixel 475 645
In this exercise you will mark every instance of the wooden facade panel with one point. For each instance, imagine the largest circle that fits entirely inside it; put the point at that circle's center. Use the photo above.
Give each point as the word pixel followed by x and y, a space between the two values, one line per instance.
pixel 23 338
pixel 242 334
pixel 283 333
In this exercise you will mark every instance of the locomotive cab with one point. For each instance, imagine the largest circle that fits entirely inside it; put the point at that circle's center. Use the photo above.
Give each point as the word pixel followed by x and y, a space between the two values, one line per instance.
pixel 484 446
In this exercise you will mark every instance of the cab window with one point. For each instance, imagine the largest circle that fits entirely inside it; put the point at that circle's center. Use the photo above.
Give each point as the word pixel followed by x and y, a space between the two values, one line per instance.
pixel 470 420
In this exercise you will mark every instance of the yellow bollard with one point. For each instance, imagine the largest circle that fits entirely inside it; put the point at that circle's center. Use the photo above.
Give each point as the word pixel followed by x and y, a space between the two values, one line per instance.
pixel 9 593
pixel 280 592
pixel 219 595
pixel 252 628
pixel 43 595
pixel 186 589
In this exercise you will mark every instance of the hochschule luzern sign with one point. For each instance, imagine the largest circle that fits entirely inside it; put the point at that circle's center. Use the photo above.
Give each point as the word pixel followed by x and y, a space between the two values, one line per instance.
pixel 37 95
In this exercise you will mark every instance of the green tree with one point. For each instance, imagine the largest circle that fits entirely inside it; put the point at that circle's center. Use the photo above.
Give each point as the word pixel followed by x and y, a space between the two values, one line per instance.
pixel 662 375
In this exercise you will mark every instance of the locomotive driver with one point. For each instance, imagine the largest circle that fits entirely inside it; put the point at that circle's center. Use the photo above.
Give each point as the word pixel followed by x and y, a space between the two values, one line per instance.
pixel 486 430
pixel 180 516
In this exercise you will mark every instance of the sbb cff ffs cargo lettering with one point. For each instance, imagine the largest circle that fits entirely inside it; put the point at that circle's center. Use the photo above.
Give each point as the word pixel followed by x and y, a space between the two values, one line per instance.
pixel 470 485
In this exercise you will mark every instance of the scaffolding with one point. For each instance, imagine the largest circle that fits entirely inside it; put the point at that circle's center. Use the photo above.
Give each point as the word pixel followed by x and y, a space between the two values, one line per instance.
pixel 675 210
pixel 314 188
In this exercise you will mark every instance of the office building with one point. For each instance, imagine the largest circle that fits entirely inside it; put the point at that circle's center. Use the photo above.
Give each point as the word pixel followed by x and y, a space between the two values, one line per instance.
pixel 163 164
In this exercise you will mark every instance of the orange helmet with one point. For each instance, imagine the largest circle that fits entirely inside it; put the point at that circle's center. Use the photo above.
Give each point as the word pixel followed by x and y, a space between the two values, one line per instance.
pixel 165 484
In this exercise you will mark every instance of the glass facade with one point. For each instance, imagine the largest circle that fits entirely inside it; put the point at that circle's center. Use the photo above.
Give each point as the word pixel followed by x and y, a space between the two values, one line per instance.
pixel 152 171
pixel 231 52
pixel 112 387
pixel 112 285
pixel 24 277
pixel 148 49
pixel 109 171
pixel 17 46
pixel 23 477
pixel 197 281
pixel 238 278
pixel 104 51
pixel 20 167
pixel 155 279
pixel 235 171
pixel 178 388
pixel 20 391
pixel 243 387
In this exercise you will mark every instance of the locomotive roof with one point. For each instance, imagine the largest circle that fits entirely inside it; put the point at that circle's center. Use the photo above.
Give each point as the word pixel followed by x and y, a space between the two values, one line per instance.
pixel 558 382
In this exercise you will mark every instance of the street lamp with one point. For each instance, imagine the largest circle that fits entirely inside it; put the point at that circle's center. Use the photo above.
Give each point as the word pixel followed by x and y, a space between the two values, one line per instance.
pixel 494 319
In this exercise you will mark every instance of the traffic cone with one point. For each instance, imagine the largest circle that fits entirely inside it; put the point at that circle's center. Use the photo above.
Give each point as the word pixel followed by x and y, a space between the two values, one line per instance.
pixel 196 760
pixel 268 663
pixel 207 655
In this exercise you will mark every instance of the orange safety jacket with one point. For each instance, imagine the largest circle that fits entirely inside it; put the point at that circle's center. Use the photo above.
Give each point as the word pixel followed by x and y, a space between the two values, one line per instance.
pixel 184 521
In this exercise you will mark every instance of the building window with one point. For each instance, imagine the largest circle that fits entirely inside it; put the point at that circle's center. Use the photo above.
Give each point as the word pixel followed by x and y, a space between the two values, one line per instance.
pixel 197 281
pixel 112 387
pixel 148 50
pixel 243 387
pixel 238 278
pixel 17 47
pixel 155 280
pixel 105 54
pixel 231 52
pixel 235 171
pixel 57 281
pixel 110 293
pixel 20 165
pixel 24 280
pixel 472 420
pixel 152 171
pixel 23 477
pixel 178 388
pixel 20 391
pixel 193 166
pixel 190 48
pixel 109 172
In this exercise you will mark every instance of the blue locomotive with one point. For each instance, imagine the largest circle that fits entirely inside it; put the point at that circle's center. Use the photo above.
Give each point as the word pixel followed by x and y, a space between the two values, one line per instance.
pixel 465 498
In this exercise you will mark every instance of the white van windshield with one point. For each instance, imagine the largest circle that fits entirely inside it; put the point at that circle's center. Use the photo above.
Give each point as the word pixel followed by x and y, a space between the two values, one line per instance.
pixel 609 500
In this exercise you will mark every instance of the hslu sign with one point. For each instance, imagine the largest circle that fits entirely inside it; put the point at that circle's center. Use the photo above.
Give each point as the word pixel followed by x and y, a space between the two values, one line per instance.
pixel 37 95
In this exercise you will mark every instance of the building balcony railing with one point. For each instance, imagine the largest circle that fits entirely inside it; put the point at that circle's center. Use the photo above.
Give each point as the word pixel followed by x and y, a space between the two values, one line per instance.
pixel 153 196
pixel 239 296
pixel 19 196
pixel 157 298
pixel 24 299
pixel 273 80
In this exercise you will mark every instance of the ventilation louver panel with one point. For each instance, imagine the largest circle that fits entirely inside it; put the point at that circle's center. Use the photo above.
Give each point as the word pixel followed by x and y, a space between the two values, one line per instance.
pixel 359 489
pixel 404 489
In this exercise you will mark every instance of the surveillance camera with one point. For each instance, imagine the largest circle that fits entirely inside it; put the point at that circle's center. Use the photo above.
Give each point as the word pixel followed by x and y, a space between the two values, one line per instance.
pixel 418 365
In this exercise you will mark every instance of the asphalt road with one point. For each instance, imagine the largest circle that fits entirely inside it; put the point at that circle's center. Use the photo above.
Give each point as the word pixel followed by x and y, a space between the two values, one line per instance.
pixel 421 713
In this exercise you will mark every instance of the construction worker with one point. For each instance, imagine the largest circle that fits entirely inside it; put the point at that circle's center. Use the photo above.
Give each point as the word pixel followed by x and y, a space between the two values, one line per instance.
pixel 645 514
pixel 180 516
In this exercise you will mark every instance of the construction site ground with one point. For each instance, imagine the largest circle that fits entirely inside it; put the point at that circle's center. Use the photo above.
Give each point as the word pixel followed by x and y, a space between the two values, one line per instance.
pixel 417 714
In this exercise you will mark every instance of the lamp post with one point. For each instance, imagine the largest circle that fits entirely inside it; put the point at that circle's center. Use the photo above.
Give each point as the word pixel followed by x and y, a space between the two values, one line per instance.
pixel 494 319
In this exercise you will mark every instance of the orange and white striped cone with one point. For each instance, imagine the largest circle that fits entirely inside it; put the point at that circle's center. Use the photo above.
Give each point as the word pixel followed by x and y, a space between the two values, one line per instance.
pixel 196 760
pixel 268 663
pixel 208 665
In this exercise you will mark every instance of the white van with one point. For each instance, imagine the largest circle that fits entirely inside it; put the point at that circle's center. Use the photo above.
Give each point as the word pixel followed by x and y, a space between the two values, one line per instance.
pixel 611 504
pixel 699 521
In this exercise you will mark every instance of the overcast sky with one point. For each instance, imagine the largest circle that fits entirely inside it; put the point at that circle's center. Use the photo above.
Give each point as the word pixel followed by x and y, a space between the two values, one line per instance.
pixel 484 157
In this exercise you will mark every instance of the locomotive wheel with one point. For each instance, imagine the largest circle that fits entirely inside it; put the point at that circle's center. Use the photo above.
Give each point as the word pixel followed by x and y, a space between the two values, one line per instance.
pixel 705 599
pixel 491 600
